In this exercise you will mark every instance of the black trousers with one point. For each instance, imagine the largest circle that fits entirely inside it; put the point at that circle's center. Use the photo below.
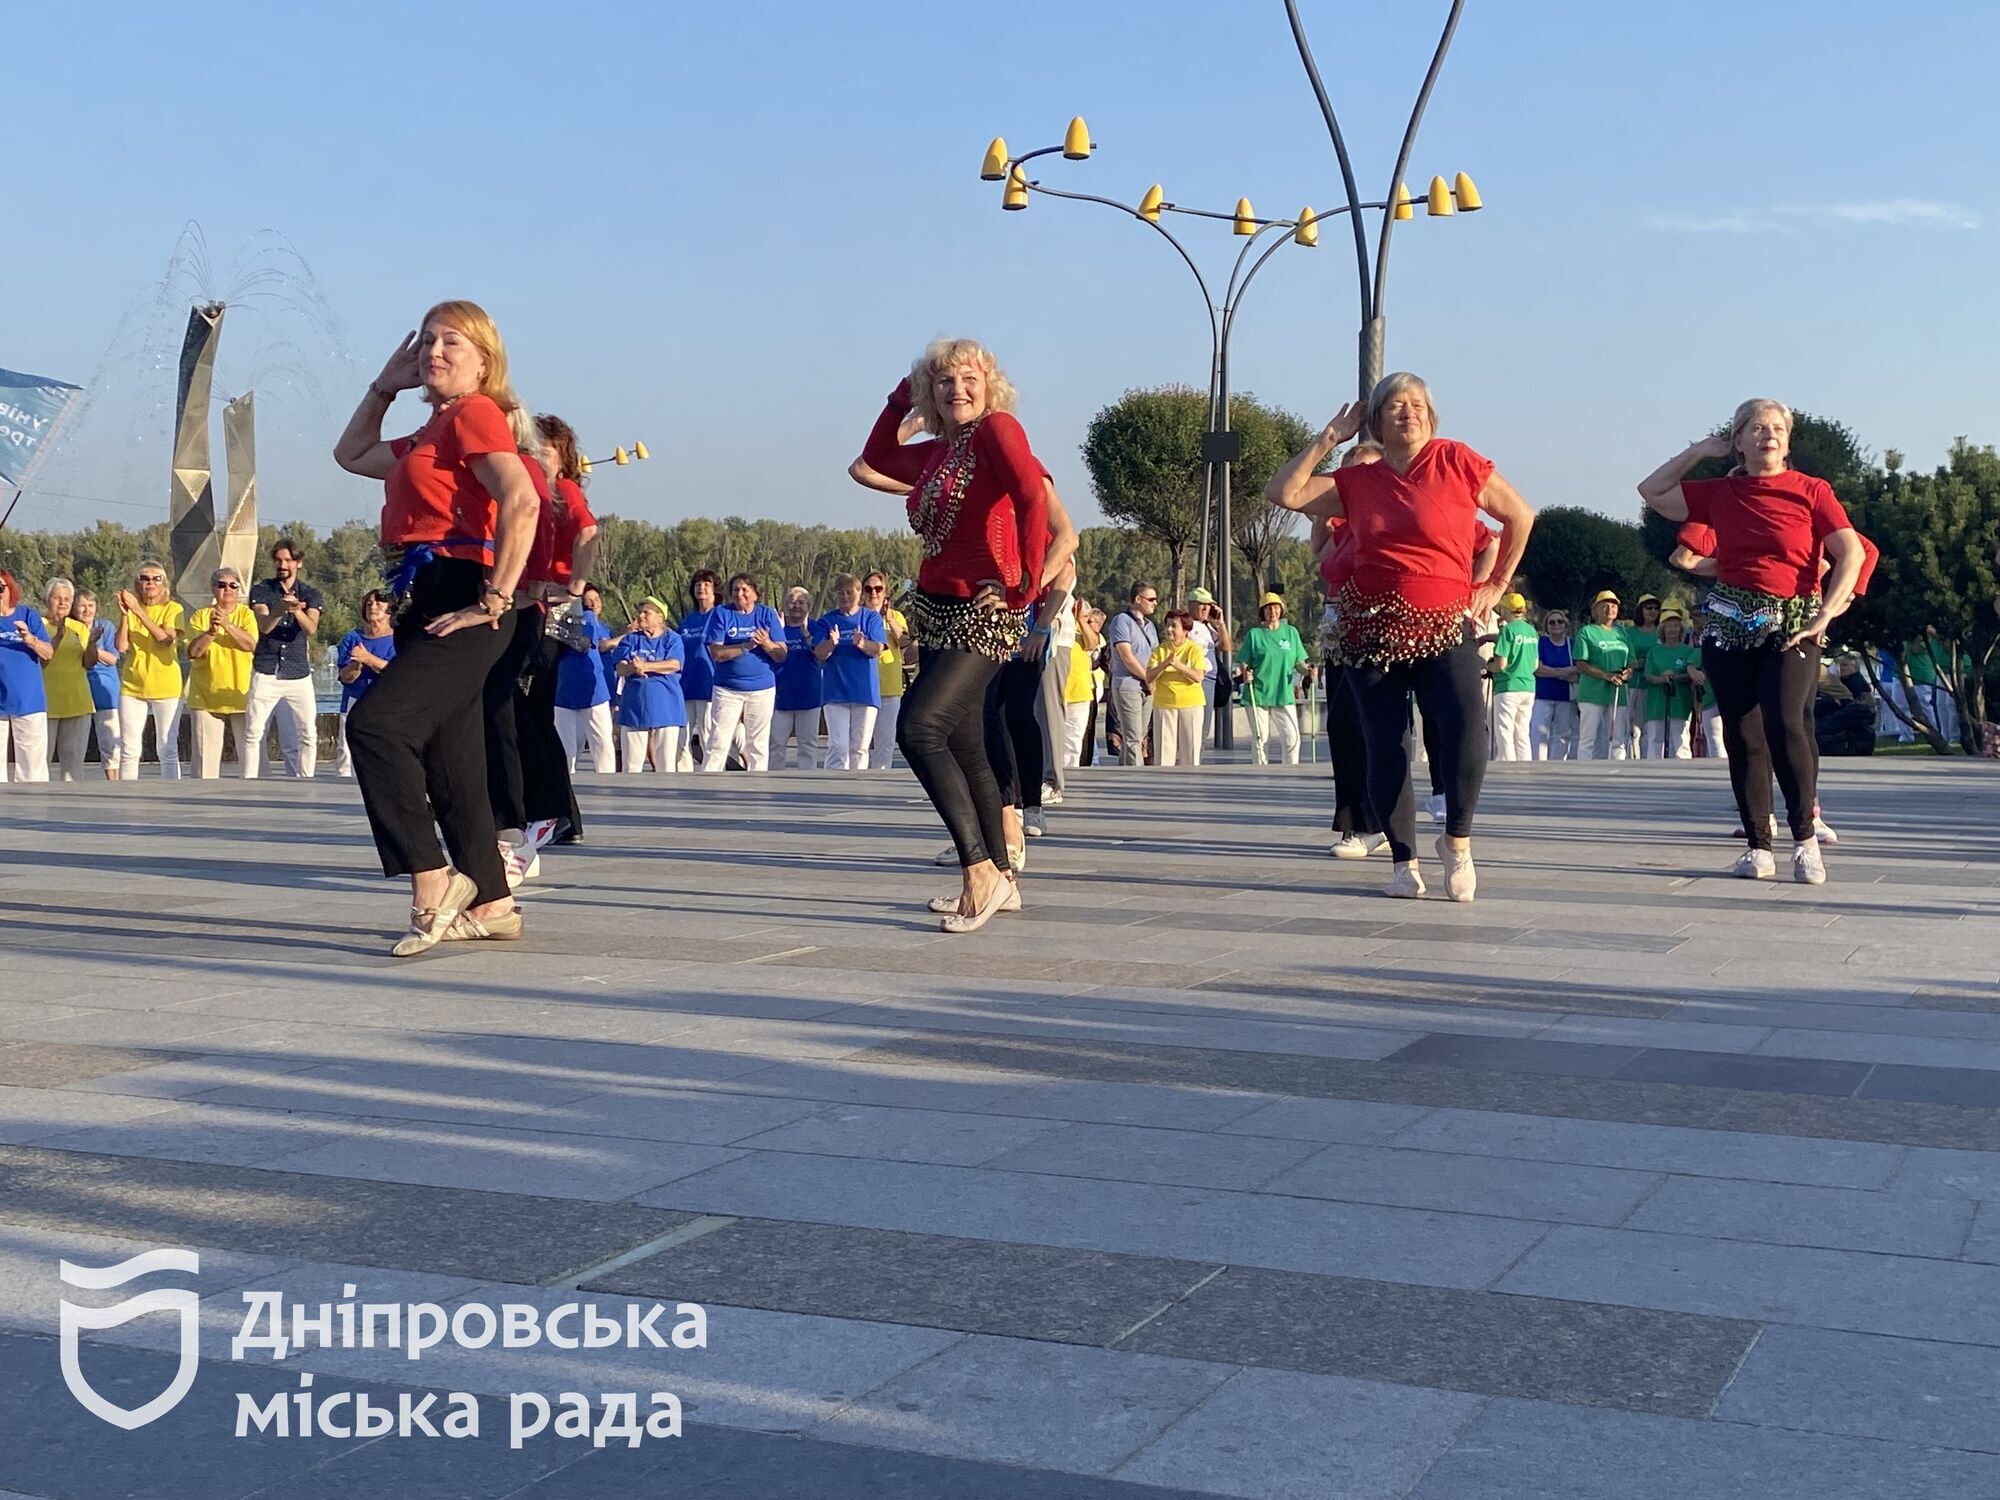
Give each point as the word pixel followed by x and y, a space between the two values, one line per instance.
pixel 1346 749
pixel 527 771
pixel 942 734
pixel 418 738
pixel 1015 747
pixel 1762 693
pixel 1447 689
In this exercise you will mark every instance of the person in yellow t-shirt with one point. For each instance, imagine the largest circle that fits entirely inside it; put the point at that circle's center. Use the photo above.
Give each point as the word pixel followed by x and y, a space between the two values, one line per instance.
pixel 1080 683
pixel 70 705
pixel 1176 672
pixel 900 647
pixel 150 626
pixel 222 637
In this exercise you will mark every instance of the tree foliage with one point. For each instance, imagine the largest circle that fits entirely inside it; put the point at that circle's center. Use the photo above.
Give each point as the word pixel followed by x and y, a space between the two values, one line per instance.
pixel 1573 553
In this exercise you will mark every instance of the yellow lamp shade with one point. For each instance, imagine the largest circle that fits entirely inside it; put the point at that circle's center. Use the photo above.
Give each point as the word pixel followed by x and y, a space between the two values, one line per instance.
pixel 1149 206
pixel 1307 233
pixel 639 451
pixel 1403 209
pixel 995 166
pixel 583 464
pixel 620 457
pixel 1076 140
pixel 1015 196
pixel 1440 199
pixel 1466 194
pixel 1246 217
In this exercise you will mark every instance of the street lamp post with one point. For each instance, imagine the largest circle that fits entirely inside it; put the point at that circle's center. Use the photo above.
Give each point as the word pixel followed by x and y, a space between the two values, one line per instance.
pixel 1442 199
pixel 619 456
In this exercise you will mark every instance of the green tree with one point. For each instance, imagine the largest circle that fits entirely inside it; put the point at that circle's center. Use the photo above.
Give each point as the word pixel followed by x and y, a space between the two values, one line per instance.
pixel 1258 529
pixel 1573 553
pixel 1144 456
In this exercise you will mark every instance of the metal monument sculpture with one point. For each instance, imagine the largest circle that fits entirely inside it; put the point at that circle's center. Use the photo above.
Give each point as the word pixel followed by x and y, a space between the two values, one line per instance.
pixel 237 537
pixel 192 500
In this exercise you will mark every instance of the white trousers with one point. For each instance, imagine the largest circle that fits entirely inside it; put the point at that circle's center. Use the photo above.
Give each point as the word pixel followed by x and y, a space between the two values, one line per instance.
pixel 1076 719
pixel 1604 731
pixel 29 734
pixel 701 725
pixel 731 710
pixel 71 738
pixel 1939 707
pixel 1513 716
pixel 1280 723
pixel 1667 739
pixel 298 730
pixel 1711 729
pixel 343 758
pixel 1177 735
pixel 576 725
pixel 882 749
pixel 207 736
pixel 664 745
pixel 804 723
pixel 166 716
pixel 850 735
pixel 106 720
pixel 1552 729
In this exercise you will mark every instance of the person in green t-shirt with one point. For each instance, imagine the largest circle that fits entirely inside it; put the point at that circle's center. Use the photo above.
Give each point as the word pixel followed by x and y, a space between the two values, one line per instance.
pixel 1711 716
pixel 1516 653
pixel 1267 661
pixel 1603 655
pixel 1642 635
pixel 1670 670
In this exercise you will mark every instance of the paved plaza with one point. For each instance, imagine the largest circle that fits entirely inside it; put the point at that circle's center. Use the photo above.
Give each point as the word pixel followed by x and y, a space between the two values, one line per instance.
pixel 1210 1173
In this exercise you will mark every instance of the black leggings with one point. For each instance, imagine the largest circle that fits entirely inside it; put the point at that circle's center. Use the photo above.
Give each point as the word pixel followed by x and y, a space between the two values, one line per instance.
pixel 527 769
pixel 942 734
pixel 1345 748
pixel 1762 692
pixel 1448 693
pixel 1014 745
pixel 418 738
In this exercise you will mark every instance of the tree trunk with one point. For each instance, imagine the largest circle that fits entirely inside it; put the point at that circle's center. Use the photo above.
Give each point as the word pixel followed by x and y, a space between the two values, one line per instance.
pixel 1914 718
pixel 1177 551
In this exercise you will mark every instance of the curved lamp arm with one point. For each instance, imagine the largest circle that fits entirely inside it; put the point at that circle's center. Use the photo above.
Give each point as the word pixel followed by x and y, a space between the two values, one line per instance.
pixel 1403 156
pixel 1340 151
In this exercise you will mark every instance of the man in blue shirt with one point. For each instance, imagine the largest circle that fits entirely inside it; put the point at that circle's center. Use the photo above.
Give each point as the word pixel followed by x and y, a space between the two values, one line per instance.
pixel 287 610
pixel 1133 638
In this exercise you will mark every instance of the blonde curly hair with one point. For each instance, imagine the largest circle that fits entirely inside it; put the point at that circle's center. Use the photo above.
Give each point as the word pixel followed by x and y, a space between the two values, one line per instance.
pixel 943 355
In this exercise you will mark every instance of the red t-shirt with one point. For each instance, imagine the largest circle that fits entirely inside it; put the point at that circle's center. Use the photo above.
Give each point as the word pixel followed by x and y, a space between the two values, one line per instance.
pixel 1002 526
pixel 1700 540
pixel 573 518
pixel 1337 566
pixel 433 496
pixel 1414 533
pixel 1767 528
pixel 540 566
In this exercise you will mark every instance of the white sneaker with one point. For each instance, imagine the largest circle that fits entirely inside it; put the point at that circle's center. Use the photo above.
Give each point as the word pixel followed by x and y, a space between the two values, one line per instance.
pixel 519 866
pixel 1051 795
pixel 1033 824
pixel 1460 881
pixel 1407 883
pixel 1436 806
pixel 947 855
pixel 1807 867
pixel 1755 864
pixel 541 831
pixel 1359 845
pixel 1823 833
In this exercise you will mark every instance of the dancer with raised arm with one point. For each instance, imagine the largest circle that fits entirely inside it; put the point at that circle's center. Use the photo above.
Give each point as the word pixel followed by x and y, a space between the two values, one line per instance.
pixel 979 499
pixel 1767 615
pixel 1404 609
pixel 458 518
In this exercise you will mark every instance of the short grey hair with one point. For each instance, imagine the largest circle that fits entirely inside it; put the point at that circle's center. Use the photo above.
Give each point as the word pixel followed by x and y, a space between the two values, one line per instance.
pixel 221 573
pixel 1387 389
pixel 49 589
pixel 795 591
pixel 847 580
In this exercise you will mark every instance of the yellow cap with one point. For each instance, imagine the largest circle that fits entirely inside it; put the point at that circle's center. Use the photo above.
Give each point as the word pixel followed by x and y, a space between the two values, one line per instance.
pixel 1602 596
pixel 1514 601
pixel 1270 599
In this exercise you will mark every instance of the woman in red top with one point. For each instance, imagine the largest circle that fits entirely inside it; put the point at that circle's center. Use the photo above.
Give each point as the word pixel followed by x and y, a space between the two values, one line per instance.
pixel 458 518
pixel 978 497
pixel 1767 616
pixel 1353 816
pixel 1404 609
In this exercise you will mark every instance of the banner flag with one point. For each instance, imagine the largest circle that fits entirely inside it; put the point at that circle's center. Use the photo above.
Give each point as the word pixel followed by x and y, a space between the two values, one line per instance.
pixel 30 408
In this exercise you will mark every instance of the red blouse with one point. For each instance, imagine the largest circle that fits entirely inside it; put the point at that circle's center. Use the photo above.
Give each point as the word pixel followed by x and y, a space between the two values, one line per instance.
pixel 1699 538
pixel 573 518
pixel 433 495
pixel 1415 534
pixel 1767 528
pixel 980 501
pixel 540 566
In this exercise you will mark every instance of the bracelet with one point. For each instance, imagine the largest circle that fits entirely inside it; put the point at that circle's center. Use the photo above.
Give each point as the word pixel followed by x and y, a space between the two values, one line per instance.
pixel 375 387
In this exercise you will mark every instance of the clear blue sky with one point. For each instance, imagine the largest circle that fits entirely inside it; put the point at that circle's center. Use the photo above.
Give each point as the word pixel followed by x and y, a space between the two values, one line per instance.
pixel 727 229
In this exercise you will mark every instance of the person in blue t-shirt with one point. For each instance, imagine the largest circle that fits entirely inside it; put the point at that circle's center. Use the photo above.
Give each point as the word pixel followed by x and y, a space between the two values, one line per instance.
pixel 698 676
pixel 1552 723
pixel 362 655
pixel 24 697
pixel 746 642
pixel 652 713
pixel 795 710
pixel 583 690
pixel 100 667
pixel 848 638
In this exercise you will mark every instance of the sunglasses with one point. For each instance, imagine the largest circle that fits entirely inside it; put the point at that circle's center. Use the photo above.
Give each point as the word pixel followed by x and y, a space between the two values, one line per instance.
pixel 875 588
pixel 151 578
pixel 227 583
